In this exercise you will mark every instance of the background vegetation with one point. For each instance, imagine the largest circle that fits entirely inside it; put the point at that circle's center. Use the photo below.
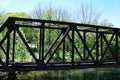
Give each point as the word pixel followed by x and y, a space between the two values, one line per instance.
pixel 86 13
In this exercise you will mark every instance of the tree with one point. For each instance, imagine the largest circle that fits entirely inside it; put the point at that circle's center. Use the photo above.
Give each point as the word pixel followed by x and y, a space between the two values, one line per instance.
pixel 62 15
pixel 87 13
pixel 38 12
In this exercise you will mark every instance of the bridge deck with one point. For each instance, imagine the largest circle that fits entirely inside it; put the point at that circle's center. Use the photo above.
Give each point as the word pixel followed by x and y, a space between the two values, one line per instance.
pixel 32 66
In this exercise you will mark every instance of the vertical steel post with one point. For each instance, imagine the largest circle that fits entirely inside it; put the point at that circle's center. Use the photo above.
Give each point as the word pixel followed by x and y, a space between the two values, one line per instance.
pixel 116 38
pixel 42 40
pixel 97 47
pixel 84 52
pixel 40 34
pixel 73 46
pixel 8 47
pixel 14 37
pixel 63 49
pixel 101 42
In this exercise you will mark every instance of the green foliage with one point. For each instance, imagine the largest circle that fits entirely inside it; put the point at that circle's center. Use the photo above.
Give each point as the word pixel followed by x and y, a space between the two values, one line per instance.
pixel 48 14
pixel 15 14
pixel 32 36
pixel 21 54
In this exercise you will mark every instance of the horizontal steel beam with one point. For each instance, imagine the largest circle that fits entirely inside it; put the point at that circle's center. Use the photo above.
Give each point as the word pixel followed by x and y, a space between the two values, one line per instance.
pixel 60 22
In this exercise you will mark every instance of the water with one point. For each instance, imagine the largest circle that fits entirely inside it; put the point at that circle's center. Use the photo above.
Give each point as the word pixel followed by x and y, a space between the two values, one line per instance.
pixel 76 74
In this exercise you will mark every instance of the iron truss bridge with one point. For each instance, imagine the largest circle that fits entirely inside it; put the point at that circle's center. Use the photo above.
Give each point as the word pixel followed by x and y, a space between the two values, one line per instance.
pixel 33 44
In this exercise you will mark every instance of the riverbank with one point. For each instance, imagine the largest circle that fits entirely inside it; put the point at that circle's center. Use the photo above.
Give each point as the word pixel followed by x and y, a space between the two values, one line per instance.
pixel 3 75
pixel 8 76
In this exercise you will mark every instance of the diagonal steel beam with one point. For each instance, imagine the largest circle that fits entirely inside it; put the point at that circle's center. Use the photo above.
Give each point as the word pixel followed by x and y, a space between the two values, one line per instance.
pixel 52 45
pixel 85 46
pixel 26 44
pixel 3 49
pixel 67 31
pixel 92 47
pixel 4 25
pixel 108 45
pixel 75 48
pixel 5 37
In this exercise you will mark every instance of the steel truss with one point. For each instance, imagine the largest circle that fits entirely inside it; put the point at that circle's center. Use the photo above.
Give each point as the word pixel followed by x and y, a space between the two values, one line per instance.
pixel 94 56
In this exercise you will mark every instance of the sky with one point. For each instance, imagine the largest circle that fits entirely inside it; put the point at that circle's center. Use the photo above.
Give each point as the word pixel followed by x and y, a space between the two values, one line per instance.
pixel 110 9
